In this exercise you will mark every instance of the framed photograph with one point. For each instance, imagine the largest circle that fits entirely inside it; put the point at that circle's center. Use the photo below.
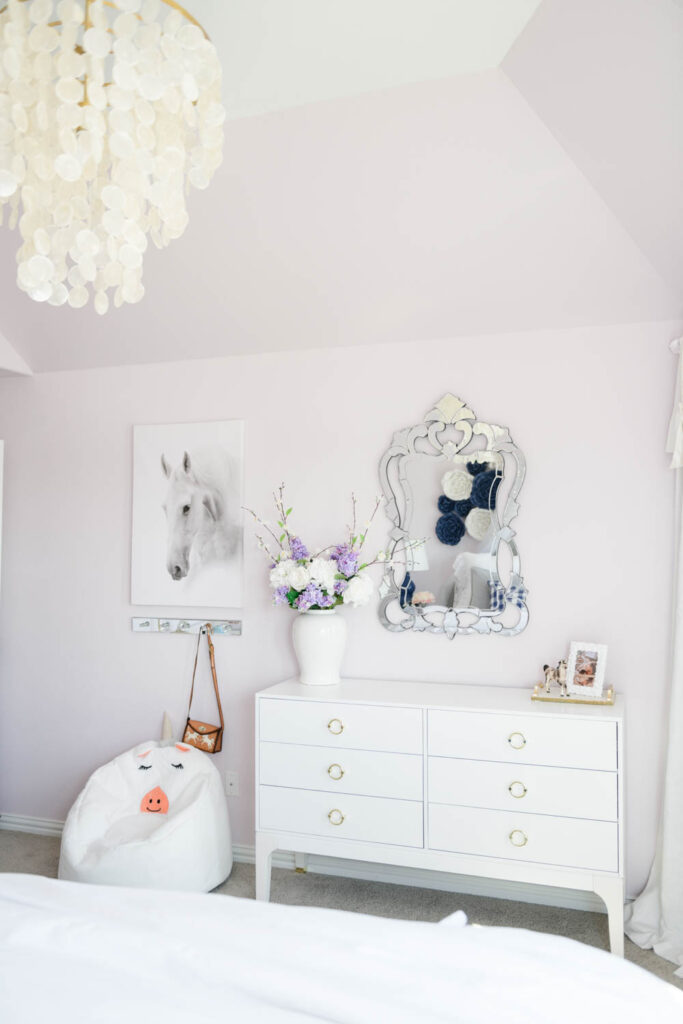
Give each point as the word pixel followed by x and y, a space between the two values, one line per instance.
pixel 586 669
pixel 187 514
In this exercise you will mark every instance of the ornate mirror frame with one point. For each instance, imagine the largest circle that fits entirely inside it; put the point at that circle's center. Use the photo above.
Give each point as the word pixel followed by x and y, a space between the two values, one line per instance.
pixel 435 437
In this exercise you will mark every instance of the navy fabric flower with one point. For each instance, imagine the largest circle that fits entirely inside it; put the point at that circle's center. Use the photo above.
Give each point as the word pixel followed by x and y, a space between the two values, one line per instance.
pixel 484 489
pixel 475 468
pixel 445 504
pixel 450 529
pixel 463 508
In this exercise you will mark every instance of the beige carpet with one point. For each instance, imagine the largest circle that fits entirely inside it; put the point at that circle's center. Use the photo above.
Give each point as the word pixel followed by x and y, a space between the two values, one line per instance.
pixel 38 855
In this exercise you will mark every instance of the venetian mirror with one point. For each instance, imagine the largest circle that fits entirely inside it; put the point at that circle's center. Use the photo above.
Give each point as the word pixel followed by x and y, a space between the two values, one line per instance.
pixel 451 485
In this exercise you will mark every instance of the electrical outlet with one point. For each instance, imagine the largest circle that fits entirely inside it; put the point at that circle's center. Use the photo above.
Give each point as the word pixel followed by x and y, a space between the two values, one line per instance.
pixel 232 784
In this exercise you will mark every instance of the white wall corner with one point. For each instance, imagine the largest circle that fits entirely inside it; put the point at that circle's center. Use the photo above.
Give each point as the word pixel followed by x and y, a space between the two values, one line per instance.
pixel 11 361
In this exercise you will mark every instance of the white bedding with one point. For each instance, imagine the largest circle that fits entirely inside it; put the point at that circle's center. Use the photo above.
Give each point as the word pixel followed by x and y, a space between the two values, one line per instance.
pixel 81 953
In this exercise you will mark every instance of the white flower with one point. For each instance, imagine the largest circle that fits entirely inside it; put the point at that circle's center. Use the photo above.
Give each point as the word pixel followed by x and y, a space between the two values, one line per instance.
pixel 323 571
pixel 359 590
pixel 478 523
pixel 456 485
pixel 382 556
pixel 279 575
pixel 298 577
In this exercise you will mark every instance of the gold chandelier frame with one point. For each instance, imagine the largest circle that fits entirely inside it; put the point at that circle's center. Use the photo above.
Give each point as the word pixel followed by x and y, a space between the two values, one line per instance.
pixel 111 3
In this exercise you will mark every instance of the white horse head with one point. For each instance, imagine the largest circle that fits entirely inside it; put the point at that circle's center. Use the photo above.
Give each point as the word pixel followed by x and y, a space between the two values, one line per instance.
pixel 194 507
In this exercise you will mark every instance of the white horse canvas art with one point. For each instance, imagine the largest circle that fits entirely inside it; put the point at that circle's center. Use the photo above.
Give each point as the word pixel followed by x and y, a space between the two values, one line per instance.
pixel 201 523
pixel 187 515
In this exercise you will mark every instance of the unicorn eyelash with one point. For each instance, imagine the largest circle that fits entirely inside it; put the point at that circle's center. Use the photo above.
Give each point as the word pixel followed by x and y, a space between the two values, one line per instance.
pixel 177 765
pixel 144 767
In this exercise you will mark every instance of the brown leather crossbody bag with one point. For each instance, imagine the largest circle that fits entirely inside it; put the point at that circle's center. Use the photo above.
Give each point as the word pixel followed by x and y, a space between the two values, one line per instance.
pixel 208 738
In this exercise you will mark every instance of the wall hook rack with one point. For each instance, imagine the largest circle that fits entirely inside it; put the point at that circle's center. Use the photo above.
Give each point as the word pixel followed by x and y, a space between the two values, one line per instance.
pixel 220 627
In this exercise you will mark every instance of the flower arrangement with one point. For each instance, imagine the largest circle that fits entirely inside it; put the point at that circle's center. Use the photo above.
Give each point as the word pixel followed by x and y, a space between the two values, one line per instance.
pixel 336 575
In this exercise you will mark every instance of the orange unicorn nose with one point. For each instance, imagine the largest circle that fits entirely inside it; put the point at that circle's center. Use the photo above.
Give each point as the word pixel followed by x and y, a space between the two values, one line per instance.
pixel 156 801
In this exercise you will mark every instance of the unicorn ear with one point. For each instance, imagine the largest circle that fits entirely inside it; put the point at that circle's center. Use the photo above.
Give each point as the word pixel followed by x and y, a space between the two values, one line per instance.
pixel 187 465
pixel 165 466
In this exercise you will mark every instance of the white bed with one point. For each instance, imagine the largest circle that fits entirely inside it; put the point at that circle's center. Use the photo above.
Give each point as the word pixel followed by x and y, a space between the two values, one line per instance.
pixel 79 953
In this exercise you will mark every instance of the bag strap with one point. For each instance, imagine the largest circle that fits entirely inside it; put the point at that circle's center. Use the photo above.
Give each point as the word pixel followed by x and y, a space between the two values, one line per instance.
pixel 206 629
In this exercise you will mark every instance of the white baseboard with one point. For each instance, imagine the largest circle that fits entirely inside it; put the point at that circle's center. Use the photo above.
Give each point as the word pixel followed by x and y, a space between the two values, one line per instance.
pixel 471 885
pixel 36 826
pixel 545 895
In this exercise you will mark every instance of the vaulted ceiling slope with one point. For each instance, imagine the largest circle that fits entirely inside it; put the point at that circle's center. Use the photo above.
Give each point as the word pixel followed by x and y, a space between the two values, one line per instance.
pixel 363 201
pixel 606 77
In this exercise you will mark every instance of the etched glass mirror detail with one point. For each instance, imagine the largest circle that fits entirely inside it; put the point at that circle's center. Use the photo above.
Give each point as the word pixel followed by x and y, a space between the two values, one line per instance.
pixel 451 485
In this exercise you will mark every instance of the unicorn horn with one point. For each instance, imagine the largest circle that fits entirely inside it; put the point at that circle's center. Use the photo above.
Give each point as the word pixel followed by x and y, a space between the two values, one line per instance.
pixel 166 729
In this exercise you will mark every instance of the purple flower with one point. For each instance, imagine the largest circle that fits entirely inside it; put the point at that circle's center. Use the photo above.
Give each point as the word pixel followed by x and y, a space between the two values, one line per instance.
pixel 340 586
pixel 326 601
pixel 280 595
pixel 298 549
pixel 346 559
pixel 308 597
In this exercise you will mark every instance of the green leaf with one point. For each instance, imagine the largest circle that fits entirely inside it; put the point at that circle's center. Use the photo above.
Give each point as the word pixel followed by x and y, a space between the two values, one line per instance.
pixel 289 511
pixel 282 537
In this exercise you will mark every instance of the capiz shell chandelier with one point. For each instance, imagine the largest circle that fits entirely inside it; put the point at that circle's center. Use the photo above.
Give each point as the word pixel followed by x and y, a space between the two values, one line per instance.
pixel 108 113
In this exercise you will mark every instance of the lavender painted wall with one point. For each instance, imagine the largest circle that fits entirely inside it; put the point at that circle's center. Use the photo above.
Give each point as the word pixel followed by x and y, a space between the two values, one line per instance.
pixel 588 407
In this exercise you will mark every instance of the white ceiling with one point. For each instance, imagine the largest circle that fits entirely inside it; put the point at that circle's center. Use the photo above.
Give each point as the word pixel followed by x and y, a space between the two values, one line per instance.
pixel 284 53
pixel 364 201
pixel 620 120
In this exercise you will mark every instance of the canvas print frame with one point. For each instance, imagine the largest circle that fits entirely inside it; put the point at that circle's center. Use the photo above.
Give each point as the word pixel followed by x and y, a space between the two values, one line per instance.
pixel 187 536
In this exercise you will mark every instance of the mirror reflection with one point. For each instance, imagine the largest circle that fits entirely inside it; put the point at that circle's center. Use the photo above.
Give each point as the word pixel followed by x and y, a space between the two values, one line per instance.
pixel 451 485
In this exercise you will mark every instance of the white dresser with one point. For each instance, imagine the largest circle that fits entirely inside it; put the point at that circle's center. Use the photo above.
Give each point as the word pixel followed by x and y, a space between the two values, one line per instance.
pixel 476 780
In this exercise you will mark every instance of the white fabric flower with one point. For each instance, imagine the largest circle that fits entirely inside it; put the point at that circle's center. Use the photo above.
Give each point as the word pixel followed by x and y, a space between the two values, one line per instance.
pixel 279 575
pixel 298 577
pixel 323 571
pixel 359 591
pixel 478 523
pixel 456 485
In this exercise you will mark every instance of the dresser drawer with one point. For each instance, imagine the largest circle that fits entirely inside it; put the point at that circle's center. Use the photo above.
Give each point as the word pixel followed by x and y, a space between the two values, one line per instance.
pixel 365 772
pixel 524 739
pixel 543 839
pixel 366 818
pixel 566 792
pixel 354 726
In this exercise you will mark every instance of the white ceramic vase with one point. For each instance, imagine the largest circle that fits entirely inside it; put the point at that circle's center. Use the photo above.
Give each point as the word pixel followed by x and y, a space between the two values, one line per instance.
pixel 319 638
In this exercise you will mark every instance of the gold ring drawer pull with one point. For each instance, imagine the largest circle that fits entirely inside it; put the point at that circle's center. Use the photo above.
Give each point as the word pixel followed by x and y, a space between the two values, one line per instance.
pixel 335 771
pixel 518 838
pixel 517 740
pixel 517 790
pixel 336 817
pixel 336 726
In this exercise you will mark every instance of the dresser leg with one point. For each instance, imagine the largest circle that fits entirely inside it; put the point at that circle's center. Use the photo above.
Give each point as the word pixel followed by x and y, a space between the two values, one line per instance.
pixel 301 862
pixel 264 856
pixel 611 892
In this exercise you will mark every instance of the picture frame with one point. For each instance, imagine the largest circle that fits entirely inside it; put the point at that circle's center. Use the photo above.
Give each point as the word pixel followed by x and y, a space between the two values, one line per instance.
pixel 187 532
pixel 586 669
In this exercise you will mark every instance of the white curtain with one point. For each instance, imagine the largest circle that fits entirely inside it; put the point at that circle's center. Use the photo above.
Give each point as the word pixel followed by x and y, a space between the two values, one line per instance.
pixel 655 919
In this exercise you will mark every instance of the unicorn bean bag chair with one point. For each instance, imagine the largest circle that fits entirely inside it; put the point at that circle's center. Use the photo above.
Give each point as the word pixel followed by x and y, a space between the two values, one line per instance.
pixel 155 817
